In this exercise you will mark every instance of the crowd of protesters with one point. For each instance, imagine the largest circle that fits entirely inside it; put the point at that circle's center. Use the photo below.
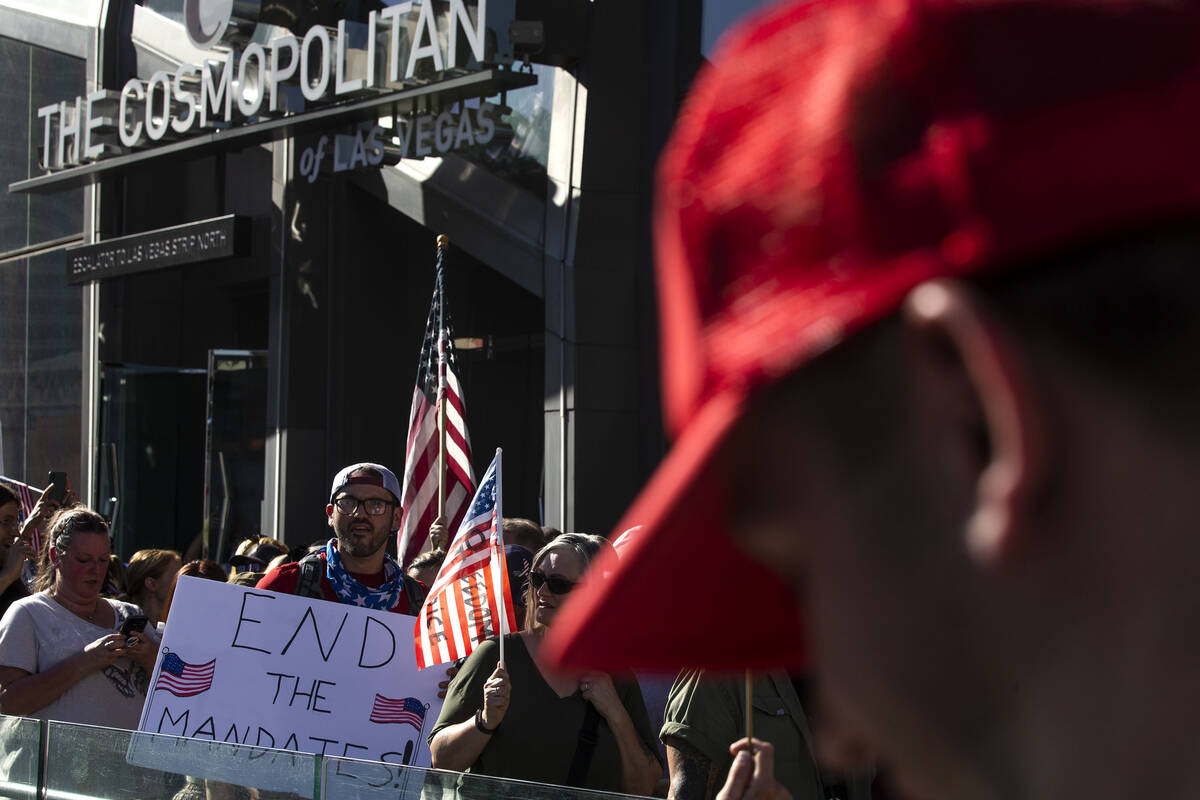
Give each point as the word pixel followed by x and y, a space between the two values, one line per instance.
pixel 65 653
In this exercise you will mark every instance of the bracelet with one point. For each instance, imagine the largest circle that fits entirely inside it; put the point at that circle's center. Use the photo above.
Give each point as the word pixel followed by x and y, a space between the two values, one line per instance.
pixel 479 726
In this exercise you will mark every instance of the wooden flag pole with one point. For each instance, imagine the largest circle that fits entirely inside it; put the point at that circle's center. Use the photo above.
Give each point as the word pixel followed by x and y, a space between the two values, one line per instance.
pixel 749 711
pixel 443 244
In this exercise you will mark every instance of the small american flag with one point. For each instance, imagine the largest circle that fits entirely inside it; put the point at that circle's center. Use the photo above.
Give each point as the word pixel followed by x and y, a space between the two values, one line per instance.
pixel 183 679
pixel 409 711
pixel 28 497
pixel 462 607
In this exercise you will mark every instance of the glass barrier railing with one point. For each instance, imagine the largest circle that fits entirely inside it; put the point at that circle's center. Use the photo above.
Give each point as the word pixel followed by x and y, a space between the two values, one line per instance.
pixel 20 749
pixel 64 761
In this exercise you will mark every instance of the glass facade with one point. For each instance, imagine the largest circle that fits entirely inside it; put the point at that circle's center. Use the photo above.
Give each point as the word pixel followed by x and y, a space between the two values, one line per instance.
pixel 33 77
pixel 40 315
pixel 41 388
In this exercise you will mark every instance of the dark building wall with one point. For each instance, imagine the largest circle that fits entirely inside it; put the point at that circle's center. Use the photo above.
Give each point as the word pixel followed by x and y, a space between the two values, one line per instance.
pixel 638 61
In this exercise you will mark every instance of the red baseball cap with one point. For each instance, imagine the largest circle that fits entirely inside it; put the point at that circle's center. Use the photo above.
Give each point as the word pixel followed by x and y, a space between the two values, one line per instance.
pixel 835 155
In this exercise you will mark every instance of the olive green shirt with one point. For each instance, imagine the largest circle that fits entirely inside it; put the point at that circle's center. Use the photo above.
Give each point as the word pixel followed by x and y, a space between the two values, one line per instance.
pixel 708 713
pixel 536 741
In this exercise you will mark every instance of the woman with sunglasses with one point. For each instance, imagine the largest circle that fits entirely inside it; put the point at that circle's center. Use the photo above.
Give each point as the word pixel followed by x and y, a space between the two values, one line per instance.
pixel 528 722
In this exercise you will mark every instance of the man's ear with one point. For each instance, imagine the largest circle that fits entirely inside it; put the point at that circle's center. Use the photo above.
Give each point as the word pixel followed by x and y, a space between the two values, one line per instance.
pixel 329 514
pixel 955 323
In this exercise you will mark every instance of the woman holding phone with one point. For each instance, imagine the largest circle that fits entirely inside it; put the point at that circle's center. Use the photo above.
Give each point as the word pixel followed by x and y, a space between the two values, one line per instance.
pixel 66 652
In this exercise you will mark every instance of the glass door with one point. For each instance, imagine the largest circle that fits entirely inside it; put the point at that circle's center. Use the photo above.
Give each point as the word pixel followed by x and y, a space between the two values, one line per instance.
pixel 150 459
pixel 234 449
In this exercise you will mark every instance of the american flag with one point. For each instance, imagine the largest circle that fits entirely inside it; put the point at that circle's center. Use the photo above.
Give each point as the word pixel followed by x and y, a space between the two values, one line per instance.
pixel 419 489
pixel 183 679
pixel 409 711
pixel 462 606
pixel 28 497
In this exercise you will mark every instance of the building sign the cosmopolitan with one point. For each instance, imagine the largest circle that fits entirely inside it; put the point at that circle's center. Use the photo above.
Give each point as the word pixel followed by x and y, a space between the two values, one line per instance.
pixel 246 82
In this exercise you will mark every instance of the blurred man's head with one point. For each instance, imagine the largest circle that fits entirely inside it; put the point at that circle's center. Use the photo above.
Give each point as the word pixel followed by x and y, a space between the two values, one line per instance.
pixel 928 283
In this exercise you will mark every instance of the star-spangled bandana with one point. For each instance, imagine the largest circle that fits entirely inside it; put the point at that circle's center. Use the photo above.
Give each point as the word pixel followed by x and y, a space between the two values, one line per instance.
pixel 348 590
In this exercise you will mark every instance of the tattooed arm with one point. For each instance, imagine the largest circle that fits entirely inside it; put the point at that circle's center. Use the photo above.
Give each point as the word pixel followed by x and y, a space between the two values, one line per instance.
pixel 693 774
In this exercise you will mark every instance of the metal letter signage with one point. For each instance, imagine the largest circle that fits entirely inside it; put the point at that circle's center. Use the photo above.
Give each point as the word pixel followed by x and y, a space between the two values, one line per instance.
pixel 206 240
pixel 259 91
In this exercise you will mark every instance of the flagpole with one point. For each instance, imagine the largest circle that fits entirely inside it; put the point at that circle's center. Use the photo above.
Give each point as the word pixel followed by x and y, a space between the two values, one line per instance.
pixel 443 244
pixel 499 545
pixel 749 712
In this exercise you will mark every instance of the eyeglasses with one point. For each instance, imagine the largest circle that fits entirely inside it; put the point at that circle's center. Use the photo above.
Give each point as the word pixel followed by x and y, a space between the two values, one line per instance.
pixel 554 583
pixel 372 505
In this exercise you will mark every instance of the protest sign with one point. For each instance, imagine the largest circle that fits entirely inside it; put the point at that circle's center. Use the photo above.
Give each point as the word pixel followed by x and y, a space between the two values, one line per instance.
pixel 267 670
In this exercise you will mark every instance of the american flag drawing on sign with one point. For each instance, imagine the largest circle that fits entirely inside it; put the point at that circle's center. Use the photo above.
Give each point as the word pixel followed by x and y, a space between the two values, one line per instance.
pixel 28 497
pixel 409 711
pixel 462 607
pixel 183 679
pixel 419 488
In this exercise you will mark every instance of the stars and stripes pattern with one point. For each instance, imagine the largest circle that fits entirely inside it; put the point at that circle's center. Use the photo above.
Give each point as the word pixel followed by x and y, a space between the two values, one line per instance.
pixel 183 679
pixel 463 605
pixel 409 711
pixel 419 487
pixel 28 497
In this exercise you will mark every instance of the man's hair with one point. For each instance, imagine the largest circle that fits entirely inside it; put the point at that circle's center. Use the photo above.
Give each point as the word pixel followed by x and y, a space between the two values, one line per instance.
pixel 64 526
pixel 430 558
pixel 1126 307
pixel 524 532
pixel 7 495
pixel 1123 308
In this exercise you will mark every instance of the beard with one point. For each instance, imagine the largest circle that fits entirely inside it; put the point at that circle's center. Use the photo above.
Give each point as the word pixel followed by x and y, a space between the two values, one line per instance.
pixel 359 546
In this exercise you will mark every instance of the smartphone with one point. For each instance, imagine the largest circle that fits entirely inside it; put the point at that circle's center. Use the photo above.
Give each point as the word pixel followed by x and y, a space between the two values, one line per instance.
pixel 134 624
pixel 59 479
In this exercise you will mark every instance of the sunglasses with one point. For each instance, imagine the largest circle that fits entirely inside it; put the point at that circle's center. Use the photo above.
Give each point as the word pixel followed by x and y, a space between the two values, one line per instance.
pixel 554 583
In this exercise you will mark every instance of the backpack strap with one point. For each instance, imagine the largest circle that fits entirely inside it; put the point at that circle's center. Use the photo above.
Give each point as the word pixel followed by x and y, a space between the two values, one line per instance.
pixel 309 582
pixel 584 748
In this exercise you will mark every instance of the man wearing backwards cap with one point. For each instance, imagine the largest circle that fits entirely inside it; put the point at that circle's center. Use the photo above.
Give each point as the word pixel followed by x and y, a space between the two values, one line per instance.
pixel 929 276
pixel 354 567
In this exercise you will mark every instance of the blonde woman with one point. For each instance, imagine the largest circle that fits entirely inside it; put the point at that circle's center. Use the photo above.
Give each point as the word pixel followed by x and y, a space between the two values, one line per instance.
pixel 62 655
pixel 527 721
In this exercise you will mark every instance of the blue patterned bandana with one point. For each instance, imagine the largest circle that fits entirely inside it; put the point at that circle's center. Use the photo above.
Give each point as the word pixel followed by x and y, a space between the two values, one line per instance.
pixel 348 590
